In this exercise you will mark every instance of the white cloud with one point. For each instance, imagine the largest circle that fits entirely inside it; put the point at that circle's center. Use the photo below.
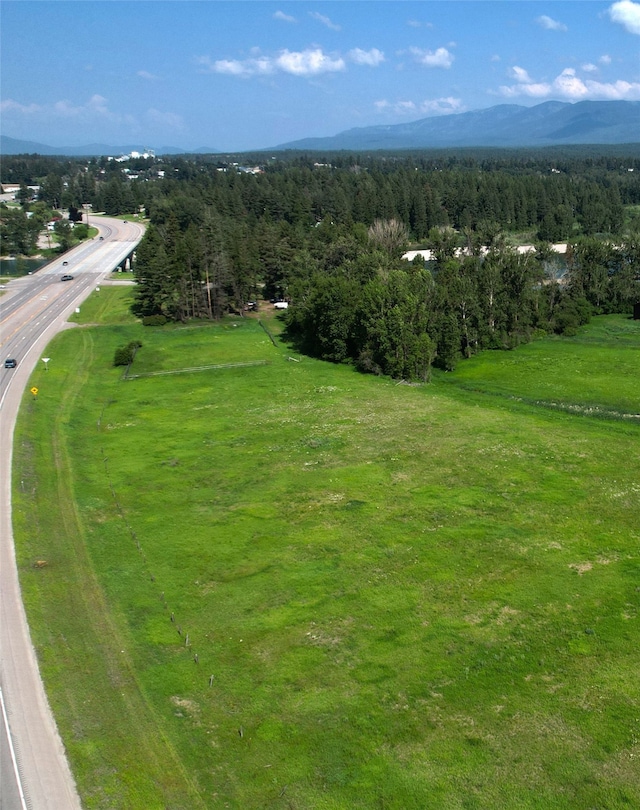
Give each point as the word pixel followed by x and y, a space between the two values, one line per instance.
pixel 234 67
pixel 144 74
pixel 439 58
pixel 534 90
pixel 605 59
pixel 626 13
pixel 589 68
pixel 309 62
pixel 97 105
pixel 9 106
pixel 324 20
pixel 95 108
pixel 570 86
pixel 371 58
pixel 280 15
pixel 550 24
pixel 437 106
pixel 614 91
pixel 243 68
pixel 442 105
pixel 520 75
pixel 166 119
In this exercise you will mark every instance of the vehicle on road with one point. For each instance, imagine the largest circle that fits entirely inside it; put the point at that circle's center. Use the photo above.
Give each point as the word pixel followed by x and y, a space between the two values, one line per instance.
pixel 10 362
pixel 64 264
pixel 66 277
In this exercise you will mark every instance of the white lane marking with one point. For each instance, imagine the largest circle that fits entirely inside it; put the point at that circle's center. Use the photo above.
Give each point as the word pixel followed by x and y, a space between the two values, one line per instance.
pixel 14 762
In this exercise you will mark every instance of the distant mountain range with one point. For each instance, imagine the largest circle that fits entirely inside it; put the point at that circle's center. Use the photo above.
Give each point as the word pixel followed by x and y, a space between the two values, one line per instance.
pixel 13 146
pixel 553 123
pixel 506 125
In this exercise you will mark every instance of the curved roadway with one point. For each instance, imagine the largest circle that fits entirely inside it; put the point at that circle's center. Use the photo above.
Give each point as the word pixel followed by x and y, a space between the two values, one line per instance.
pixel 34 773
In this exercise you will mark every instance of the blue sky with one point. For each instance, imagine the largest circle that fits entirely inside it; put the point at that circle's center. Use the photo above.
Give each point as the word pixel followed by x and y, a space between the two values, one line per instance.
pixel 248 74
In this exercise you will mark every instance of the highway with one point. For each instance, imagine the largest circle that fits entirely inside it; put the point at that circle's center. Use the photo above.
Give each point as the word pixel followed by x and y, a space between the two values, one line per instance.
pixel 34 773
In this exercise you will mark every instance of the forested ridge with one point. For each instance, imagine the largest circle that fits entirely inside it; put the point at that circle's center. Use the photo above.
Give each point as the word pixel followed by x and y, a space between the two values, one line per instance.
pixel 327 234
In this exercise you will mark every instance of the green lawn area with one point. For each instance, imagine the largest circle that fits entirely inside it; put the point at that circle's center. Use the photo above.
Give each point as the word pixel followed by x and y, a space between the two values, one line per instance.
pixel 596 371
pixel 290 585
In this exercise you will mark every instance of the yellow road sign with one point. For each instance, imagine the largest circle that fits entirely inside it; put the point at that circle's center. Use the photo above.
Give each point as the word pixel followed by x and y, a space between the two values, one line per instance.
pixel 34 390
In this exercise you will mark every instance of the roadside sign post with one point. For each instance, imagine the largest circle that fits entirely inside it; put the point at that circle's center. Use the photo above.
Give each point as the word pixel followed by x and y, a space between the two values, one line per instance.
pixel 45 360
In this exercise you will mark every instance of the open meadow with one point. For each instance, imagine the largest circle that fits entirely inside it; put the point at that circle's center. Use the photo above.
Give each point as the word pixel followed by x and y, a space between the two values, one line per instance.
pixel 273 582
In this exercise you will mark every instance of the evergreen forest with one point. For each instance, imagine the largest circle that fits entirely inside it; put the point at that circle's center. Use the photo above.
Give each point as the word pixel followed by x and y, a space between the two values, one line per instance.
pixel 327 234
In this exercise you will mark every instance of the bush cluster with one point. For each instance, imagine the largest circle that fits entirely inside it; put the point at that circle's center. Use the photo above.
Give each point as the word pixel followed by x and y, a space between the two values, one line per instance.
pixel 124 355
pixel 154 320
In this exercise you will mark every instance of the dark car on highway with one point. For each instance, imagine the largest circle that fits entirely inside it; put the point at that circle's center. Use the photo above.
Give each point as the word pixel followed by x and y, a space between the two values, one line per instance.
pixel 66 277
pixel 10 362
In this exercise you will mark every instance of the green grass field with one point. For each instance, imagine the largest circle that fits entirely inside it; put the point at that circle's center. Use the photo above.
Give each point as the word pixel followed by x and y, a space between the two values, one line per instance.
pixel 289 585
pixel 595 372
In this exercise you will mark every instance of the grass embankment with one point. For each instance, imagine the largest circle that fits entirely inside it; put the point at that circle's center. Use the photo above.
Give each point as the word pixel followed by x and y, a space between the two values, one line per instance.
pixel 407 597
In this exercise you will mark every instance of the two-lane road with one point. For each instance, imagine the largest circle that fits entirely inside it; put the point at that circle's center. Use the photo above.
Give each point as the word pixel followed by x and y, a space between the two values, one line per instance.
pixel 34 774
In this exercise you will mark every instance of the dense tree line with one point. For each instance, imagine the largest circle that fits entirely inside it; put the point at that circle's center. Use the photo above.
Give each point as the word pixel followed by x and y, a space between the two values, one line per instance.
pixel 329 239
pixel 355 299
pixel 18 232
pixel 21 226
pixel 327 234
pixel 557 204
pixel 399 318
pixel 558 193
pixel 63 183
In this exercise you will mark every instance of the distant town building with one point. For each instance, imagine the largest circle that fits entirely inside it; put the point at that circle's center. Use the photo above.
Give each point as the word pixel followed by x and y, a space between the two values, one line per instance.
pixel 148 153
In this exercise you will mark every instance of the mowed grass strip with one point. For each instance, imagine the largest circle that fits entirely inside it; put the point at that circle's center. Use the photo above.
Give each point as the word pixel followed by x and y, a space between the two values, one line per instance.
pixel 111 305
pixel 332 591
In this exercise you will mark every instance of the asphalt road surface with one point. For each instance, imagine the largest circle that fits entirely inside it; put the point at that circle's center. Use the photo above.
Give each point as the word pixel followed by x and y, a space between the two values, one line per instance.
pixel 34 773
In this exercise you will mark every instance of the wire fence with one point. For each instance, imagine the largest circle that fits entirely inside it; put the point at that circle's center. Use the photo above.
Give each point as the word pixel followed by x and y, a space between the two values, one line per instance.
pixel 213 367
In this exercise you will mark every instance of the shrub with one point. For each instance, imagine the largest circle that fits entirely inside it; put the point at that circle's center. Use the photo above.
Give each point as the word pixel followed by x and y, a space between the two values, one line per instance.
pixel 124 355
pixel 571 314
pixel 154 320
